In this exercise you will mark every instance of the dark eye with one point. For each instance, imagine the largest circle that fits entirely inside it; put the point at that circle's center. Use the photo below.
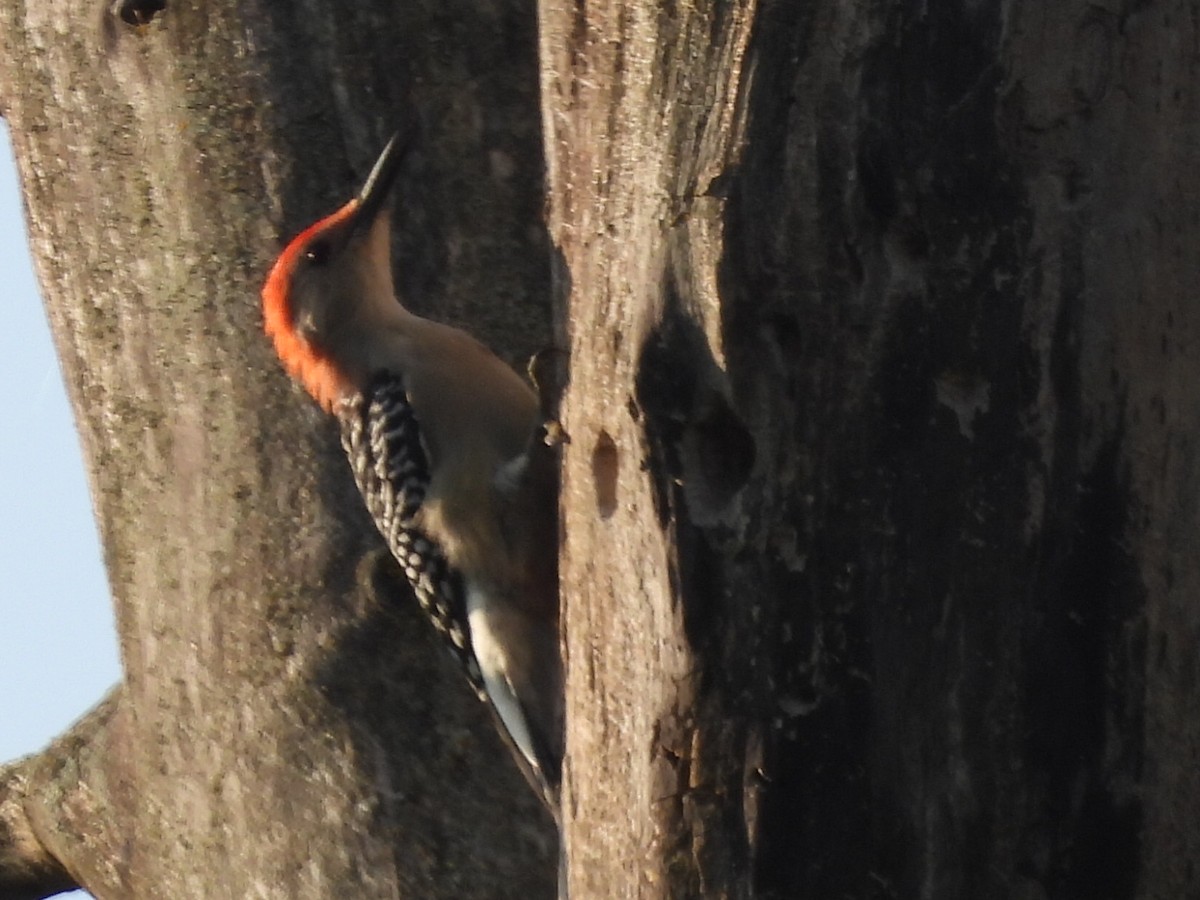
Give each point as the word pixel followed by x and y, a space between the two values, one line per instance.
pixel 317 253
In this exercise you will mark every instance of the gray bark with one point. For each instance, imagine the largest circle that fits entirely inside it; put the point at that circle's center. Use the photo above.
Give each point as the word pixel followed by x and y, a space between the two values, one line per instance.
pixel 878 567
pixel 879 552
pixel 287 725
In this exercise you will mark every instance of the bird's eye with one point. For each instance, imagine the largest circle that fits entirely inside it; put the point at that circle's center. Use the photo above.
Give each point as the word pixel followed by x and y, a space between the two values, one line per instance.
pixel 317 253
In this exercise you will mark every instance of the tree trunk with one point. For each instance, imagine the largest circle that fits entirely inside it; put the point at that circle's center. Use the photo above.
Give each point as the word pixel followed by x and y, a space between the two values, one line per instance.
pixel 878 565
pixel 879 569
pixel 287 726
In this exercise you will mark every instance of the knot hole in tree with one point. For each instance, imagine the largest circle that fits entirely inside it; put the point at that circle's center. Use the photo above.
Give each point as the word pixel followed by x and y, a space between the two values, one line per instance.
pixel 606 464
pixel 698 441
pixel 138 12
pixel 700 456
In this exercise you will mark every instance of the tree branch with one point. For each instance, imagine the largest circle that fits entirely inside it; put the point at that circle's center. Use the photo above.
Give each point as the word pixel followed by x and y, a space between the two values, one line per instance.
pixel 27 870
pixel 53 800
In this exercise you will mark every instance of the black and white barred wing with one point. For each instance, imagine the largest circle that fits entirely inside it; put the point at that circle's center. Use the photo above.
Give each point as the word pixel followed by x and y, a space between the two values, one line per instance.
pixel 382 440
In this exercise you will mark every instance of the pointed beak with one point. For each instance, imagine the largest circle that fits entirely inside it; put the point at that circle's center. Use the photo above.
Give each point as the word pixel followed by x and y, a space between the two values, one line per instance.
pixel 374 193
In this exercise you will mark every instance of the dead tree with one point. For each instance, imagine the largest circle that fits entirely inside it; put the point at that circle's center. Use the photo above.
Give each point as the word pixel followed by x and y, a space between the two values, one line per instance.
pixel 877 553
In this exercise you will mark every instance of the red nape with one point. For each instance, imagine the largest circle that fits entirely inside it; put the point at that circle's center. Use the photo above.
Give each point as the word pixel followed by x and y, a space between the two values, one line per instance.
pixel 315 371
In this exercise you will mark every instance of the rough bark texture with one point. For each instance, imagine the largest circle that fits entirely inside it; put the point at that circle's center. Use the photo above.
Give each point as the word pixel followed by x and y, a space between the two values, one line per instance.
pixel 879 564
pixel 287 727
pixel 879 567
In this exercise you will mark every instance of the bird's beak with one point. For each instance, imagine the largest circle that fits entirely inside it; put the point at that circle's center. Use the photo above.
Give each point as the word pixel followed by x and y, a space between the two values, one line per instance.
pixel 375 191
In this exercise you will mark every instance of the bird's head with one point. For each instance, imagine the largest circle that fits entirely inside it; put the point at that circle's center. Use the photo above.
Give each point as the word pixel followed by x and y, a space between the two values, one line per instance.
pixel 326 277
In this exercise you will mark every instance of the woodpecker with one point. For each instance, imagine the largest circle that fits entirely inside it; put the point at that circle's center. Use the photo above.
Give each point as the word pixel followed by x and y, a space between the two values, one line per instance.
pixel 450 453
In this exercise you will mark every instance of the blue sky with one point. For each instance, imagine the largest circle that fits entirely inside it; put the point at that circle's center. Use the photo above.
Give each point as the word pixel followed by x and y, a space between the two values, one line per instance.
pixel 60 648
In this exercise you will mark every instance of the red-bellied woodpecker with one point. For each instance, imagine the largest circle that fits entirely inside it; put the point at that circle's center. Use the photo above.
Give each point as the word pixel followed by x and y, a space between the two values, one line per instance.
pixel 446 445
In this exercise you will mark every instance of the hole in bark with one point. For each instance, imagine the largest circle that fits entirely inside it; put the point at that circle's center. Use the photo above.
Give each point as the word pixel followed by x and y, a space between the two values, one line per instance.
pixel 139 12
pixel 605 467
